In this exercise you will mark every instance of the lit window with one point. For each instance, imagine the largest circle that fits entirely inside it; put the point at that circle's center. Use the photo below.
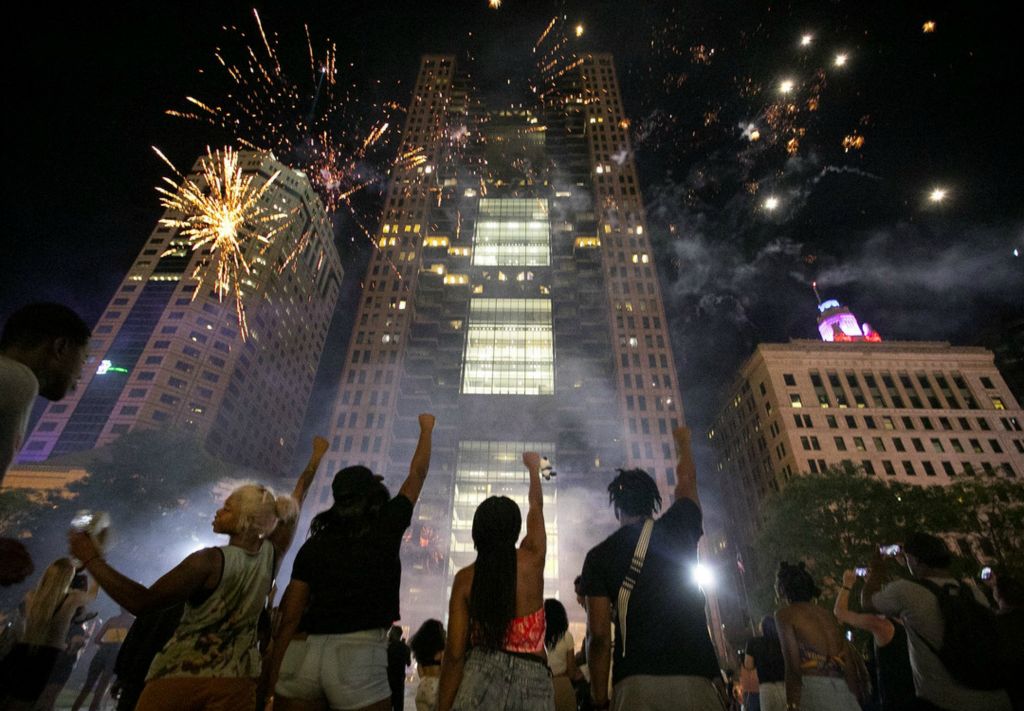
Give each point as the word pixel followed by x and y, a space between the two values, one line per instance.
pixel 509 348
pixel 997 403
pixel 512 232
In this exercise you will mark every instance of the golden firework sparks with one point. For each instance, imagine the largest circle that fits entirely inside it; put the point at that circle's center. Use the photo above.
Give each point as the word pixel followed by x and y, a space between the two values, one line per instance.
pixel 221 211
pixel 928 27
pixel 494 4
pixel 853 142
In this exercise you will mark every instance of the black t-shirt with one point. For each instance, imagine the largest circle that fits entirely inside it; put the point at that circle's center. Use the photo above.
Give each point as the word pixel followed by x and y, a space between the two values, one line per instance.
pixel 354 584
pixel 768 661
pixel 667 626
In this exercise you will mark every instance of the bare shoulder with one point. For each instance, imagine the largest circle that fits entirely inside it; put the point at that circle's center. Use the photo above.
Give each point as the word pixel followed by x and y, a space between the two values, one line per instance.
pixel 463 581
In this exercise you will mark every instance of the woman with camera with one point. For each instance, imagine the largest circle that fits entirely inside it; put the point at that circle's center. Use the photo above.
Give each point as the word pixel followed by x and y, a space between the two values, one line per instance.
pixel 212 660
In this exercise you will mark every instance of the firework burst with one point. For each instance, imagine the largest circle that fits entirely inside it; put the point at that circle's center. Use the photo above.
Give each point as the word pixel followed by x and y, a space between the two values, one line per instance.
pixel 222 211
pixel 311 120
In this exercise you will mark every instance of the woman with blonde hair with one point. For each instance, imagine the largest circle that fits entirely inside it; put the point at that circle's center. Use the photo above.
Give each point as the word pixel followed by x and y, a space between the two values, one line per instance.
pixel 212 660
pixel 49 608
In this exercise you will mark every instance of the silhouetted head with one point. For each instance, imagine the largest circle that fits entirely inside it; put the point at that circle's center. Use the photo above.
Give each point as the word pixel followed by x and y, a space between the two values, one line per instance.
pixel 496 523
pixel 634 493
pixel 795 584
pixel 926 549
pixel 428 641
pixel 557 622
pixel 52 341
pixel 359 496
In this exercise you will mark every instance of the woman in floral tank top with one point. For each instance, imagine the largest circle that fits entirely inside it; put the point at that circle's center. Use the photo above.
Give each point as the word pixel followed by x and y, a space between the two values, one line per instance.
pixel 212 662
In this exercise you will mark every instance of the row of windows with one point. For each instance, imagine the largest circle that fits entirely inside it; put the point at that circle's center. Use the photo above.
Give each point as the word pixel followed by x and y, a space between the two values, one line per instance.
pixel 916 444
pixel 906 422
pixel 927 468
pixel 938 391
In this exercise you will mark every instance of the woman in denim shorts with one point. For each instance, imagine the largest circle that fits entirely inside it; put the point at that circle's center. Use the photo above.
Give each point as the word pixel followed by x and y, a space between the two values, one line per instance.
pixel 496 612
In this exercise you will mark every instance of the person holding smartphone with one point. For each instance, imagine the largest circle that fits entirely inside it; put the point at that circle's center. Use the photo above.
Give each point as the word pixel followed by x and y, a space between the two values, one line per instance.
pixel 893 677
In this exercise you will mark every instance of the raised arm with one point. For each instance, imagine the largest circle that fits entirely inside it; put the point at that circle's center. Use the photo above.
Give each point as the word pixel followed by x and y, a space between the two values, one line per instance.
pixel 189 576
pixel 877 575
pixel 454 659
pixel 536 539
pixel 284 533
pixel 413 484
pixel 686 472
pixel 305 480
pixel 879 627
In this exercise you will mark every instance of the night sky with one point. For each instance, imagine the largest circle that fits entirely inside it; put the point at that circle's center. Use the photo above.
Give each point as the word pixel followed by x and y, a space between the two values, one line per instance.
pixel 87 90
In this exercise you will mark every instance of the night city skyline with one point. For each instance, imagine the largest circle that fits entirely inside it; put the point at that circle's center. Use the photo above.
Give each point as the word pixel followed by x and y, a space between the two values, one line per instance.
pixel 740 227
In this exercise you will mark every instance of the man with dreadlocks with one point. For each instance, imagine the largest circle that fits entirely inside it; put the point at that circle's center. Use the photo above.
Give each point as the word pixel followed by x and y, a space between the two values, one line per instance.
pixel 638 579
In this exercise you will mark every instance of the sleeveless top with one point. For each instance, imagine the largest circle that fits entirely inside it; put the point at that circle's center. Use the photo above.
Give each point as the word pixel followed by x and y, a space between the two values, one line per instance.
pixel 525 635
pixel 217 638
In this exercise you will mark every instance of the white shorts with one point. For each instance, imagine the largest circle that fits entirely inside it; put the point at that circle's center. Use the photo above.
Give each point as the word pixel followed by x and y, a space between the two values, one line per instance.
pixel 348 671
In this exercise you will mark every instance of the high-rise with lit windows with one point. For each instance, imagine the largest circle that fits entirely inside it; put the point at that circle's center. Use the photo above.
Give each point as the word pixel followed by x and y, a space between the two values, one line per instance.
pixel 513 295
pixel 163 355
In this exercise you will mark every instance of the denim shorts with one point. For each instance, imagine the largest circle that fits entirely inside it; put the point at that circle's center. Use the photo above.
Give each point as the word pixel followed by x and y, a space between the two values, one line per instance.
pixel 348 671
pixel 498 680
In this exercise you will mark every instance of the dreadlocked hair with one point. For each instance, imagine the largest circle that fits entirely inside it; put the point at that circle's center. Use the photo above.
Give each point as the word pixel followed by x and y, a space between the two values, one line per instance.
pixel 352 516
pixel 492 599
pixel 795 584
pixel 634 493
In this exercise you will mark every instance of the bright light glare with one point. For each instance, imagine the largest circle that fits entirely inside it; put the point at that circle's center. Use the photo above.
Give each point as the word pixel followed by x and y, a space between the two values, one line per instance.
pixel 786 86
pixel 806 40
pixel 771 203
pixel 841 59
pixel 703 576
pixel 579 30
pixel 938 194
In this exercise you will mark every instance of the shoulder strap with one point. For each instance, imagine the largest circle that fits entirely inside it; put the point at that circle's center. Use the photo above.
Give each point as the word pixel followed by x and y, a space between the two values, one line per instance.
pixel 635 566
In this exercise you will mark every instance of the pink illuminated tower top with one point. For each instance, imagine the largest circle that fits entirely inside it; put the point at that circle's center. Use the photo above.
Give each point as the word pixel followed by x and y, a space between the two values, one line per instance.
pixel 837 323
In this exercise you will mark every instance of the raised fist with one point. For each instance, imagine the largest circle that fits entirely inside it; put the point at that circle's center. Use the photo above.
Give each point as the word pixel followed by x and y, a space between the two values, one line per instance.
pixel 531 460
pixel 320 446
pixel 426 422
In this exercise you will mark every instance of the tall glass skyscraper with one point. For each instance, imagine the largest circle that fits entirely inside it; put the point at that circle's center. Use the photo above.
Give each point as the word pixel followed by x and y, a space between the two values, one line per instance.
pixel 512 294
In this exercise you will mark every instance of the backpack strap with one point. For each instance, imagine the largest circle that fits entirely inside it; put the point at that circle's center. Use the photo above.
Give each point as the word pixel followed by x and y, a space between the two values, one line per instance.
pixel 635 566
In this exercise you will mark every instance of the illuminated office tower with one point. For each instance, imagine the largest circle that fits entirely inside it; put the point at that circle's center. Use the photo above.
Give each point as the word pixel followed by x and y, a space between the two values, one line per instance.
pixel 163 355
pixel 513 295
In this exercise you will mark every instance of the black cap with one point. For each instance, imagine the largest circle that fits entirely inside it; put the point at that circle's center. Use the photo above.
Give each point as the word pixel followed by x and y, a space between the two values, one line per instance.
pixel 353 480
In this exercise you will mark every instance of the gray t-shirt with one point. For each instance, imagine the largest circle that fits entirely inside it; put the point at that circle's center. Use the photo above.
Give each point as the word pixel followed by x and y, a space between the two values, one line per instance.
pixel 918 609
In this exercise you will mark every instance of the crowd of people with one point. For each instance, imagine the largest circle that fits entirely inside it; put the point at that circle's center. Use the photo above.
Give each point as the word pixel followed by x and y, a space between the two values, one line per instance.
pixel 205 636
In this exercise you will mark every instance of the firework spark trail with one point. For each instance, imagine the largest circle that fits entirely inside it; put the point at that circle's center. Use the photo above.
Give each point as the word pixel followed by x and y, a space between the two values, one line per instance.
pixel 320 127
pixel 222 211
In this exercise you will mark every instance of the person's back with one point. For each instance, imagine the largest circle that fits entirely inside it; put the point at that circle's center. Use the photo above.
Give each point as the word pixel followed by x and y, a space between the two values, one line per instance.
pixel 666 627
pixel 495 652
pixel 917 607
pixel 217 634
pixel 354 581
pixel 636 582
pixel 823 672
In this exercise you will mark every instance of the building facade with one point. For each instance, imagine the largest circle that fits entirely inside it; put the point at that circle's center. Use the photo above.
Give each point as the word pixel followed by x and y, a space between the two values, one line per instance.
pixel 514 296
pixel 918 412
pixel 165 355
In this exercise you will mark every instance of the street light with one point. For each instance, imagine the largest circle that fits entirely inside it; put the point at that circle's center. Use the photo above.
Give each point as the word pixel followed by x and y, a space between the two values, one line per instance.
pixel 703 576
